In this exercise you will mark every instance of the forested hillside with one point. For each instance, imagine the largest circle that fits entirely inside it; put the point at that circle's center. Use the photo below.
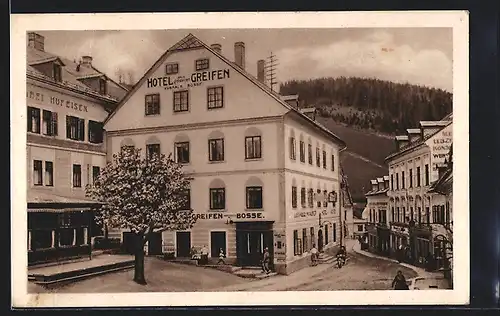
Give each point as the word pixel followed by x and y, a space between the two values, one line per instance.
pixel 372 104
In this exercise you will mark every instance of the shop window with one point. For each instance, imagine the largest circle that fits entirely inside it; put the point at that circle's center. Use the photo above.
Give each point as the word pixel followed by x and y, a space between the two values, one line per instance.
pixel 217 198
pixel 153 150
pixel 303 197
pixel 182 152
pixel 318 158
pixel 302 153
pixel 49 123
pixel 293 153
pixel 254 197
pixel 309 154
pixel 215 98
pixel 33 120
pixel 216 149
pixel 171 68
pixel 324 159
pixel 41 239
pixel 252 147
pixel 75 128
pixel 202 64
pixel 77 176
pixel 95 173
pixel 152 104
pixel 305 241
pixel 37 172
pixel 95 132
pixel 294 197
pixel 49 173
pixel 66 237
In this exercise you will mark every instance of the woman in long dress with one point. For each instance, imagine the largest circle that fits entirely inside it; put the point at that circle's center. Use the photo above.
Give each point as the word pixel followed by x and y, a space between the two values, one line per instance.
pixel 399 282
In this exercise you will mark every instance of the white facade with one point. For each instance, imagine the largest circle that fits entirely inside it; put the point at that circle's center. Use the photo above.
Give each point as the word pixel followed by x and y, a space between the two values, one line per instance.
pixel 256 129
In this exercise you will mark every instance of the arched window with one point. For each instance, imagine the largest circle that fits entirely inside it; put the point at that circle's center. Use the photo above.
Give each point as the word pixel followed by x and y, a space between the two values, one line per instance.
pixel 182 148
pixel 293 145
pixel 303 202
pixel 302 149
pixel 217 194
pixel 294 193
pixel 254 198
pixel 152 146
pixel 309 151
pixel 216 146
pixel 253 143
pixel 127 143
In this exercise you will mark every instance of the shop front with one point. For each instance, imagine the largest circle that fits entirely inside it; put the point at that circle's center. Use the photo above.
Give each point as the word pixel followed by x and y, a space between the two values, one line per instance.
pixel 251 240
pixel 383 239
pixel 400 241
pixel 422 246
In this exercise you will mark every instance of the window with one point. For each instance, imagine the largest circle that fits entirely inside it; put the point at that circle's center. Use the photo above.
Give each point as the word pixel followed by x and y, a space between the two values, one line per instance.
pixel 333 162
pixel 294 197
pixel 152 104
pixel 393 216
pixel 419 215
pixel 182 152
pixel 397 181
pixel 103 87
pixel 254 197
pixel 37 172
pixel 181 101
pixel 318 158
pixel 66 237
pixel 252 147
pixel 77 176
pixel 427 214
pixel 411 213
pixel 310 198
pixel 33 120
pixel 49 123
pixel 296 243
pixel 360 228
pixel 41 239
pixel 152 150
pixel 402 180
pixel 311 230
pixel 324 159
pixel 404 214
pixel 392 182
pixel 325 198
pixel 334 232
pixel 411 178
pixel 202 64
pixel 218 199
pixel 426 174
pixel 305 242
pixel 309 154
pixel 418 176
pixel 49 173
pixel 293 153
pixel 216 149
pixel 57 72
pixel 186 200
pixel 75 128
pixel 95 132
pixel 303 197
pixel 95 173
pixel 215 97
pixel 371 216
pixel 318 192
pixel 302 152
pixel 171 68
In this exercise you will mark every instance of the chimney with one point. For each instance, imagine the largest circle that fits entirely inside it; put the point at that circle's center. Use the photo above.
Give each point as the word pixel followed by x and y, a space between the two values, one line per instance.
pixel 87 61
pixel 239 54
pixel 217 47
pixel 260 71
pixel 36 41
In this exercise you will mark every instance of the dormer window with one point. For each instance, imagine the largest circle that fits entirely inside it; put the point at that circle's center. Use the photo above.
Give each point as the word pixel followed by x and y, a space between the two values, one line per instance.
pixel 202 64
pixel 171 68
pixel 103 88
pixel 57 72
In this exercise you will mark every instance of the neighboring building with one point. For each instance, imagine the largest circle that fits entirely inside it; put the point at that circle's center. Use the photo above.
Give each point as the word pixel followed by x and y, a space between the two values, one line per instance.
pixel 260 167
pixel 417 215
pixel 359 227
pixel 376 213
pixel 67 103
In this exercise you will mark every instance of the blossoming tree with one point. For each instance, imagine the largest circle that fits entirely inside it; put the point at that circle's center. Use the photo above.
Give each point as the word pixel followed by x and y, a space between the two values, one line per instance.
pixel 143 195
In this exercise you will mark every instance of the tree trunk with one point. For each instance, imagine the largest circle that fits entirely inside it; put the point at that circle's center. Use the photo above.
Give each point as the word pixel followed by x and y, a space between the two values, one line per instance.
pixel 139 276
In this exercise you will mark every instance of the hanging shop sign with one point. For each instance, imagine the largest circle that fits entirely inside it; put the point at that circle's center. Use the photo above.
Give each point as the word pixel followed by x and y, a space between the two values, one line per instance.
pixel 182 82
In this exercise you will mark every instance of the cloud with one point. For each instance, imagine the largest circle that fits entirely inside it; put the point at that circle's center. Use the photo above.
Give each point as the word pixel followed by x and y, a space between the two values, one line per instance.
pixel 375 55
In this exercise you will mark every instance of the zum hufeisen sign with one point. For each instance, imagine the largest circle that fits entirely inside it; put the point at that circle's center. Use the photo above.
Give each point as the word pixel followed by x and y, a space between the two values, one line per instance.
pixel 193 80
pixel 53 100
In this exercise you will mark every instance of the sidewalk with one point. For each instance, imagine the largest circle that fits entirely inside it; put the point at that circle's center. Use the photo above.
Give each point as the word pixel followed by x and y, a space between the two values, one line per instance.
pixel 356 247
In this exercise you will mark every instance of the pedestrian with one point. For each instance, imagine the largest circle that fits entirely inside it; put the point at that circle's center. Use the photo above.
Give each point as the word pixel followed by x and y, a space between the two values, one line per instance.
pixel 399 282
pixel 265 261
pixel 221 257
pixel 314 255
pixel 204 255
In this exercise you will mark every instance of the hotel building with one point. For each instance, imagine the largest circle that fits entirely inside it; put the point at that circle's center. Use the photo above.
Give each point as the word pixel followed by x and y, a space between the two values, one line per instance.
pixel 67 103
pixel 260 166
pixel 419 218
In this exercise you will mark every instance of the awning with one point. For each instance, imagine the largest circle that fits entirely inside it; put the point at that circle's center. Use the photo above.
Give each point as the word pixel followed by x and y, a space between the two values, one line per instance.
pixel 58 210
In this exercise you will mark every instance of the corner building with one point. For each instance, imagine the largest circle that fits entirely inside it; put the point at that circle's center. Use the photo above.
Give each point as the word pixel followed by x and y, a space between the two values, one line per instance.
pixel 259 166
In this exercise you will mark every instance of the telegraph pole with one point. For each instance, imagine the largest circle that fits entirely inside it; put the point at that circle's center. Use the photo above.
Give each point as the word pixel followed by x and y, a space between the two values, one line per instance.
pixel 270 69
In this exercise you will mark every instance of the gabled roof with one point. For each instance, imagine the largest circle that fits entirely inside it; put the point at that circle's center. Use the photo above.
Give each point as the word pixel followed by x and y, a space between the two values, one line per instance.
pixel 192 42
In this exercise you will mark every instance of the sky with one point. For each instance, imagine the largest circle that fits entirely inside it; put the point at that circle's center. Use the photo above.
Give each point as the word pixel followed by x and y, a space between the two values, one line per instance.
pixel 420 56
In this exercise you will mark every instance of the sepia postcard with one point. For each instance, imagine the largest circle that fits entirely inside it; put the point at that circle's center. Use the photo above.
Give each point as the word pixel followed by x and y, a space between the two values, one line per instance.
pixel 243 158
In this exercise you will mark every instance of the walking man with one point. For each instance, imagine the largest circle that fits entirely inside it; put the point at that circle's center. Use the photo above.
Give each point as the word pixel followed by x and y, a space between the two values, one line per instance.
pixel 265 261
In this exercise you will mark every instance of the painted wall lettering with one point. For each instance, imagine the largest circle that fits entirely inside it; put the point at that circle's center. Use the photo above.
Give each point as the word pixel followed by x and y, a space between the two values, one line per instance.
pixel 249 215
pixel 305 214
pixel 38 96
pixel 209 216
pixel 182 82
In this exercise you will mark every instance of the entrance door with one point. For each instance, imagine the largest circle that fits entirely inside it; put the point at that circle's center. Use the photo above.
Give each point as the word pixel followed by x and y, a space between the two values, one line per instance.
pixel 250 246
pixel 320 240
pixel 155 244
pixel 183 240
pixel 217 242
